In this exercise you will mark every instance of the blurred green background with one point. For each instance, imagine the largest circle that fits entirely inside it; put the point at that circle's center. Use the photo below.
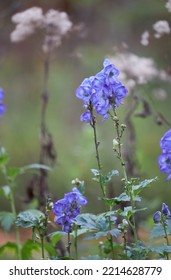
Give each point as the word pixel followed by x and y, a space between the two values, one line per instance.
pixel 106 25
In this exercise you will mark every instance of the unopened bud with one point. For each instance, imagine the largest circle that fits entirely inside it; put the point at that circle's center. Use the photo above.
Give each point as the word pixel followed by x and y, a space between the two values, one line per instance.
pixel 123 126
pixel 125 223
pixel 115 144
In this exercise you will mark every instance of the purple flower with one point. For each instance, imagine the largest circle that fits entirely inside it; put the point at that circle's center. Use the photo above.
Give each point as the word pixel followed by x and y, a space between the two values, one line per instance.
pixel 86 117
pixel 165 142
pixel 157 217
pixel 165 210
pixel 68 208
pixel 2 107
pixel 164 161
pixel 101 92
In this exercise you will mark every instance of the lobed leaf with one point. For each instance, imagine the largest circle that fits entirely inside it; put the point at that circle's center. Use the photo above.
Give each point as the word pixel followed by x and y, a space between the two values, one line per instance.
pixel 29 218
pixel 7 220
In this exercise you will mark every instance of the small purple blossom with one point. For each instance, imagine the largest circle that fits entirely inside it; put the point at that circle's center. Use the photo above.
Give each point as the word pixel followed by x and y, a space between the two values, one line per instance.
pixel 68 208
pixel 157 217
pixel 2 107
pixel 101 92
pixel 164 161
pixel 165 142
pixel 165 210
pixel 163 215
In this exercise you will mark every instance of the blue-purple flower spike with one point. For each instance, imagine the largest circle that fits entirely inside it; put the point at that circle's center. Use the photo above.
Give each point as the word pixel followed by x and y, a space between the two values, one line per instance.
pixel 101 92
pixel 68 208
pixel 164 160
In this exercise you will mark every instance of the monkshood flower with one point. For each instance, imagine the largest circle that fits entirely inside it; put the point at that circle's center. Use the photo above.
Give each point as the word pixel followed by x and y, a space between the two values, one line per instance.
pixel 157 217
pixel 165 210
pixel 164 159
pixel 2 107
pixel 68 208
pixel 165 142
pixel 101 92
pixel 162 215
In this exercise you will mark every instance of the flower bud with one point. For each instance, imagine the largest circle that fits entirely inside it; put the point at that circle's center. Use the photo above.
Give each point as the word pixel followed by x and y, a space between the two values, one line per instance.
pixel 115 144
pixel 125 222
pixel 165 210
pixel 157 217
pixel 123 126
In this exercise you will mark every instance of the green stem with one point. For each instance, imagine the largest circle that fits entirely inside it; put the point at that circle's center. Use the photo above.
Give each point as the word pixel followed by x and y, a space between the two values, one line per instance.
pixel 42 245
pixel 165 236
pixel 11 197
pixel 125 242
pixel 69 245
pixel 76 243
pixel 120 157
pixel 111 239
pixel 97 143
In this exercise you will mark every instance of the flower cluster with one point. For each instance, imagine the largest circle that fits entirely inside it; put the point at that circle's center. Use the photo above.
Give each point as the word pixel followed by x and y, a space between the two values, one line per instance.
pixel 56 24
pixel 2 107
pixel 68 208
pixel 161 27
pixel 136 69
pixel 162 215
pixel 168 6
pixel 164 159
pixel 101 92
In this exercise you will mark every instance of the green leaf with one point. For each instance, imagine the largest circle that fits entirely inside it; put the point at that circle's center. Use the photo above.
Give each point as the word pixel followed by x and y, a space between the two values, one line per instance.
pixel 8 247
pixel 114 232
pixel 50 249
pixel 95 172
pixel 158 230
pixel 13 172
pixel 29 218
pixel 108 177
pixel 5 191
pixel 27 249
pixel 86 220
pixel 128 211
pixel 99 224
pixel 56 236
pixel 4 157
pixel 7 220
pixel 144 184
pixel 123 197
pixel 159 249
pixel 79 232
pixel 93 222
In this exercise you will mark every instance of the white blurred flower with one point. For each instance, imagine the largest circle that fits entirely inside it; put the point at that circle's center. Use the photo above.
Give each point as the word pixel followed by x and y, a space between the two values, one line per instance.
pixel 168 5
pixel 26 23
pixel 160 94
pixel 161 27
pixel 137 70
pixel 134 69
pixel 55 23
pixel 145 38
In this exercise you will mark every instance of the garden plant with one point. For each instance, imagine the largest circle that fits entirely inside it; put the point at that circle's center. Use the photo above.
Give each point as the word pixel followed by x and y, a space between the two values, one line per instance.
pixel 60 226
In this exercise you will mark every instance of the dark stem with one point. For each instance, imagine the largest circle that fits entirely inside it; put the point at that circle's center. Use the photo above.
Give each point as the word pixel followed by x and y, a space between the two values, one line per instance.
pixel 97 143
pixel 69 245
